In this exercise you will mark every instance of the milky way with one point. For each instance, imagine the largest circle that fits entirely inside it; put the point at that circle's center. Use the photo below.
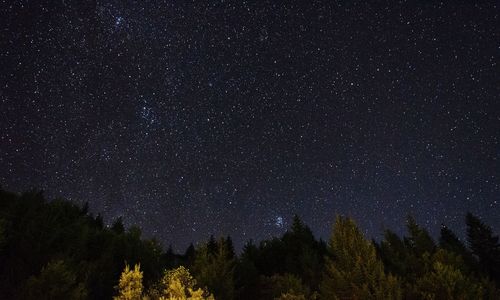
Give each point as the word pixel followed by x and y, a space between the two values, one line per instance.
pixel 228 117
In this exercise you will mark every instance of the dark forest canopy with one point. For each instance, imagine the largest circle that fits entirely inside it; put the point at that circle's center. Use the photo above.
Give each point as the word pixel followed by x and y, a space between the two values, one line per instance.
pixel 58 250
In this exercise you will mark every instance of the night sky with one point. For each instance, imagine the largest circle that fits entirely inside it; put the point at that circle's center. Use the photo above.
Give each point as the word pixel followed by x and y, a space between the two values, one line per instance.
pixel 191 118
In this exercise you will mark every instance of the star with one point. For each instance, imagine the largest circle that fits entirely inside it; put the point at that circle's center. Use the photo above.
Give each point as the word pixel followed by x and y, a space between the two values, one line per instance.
pixel 278 222
pixel 241 114
pixel 118 21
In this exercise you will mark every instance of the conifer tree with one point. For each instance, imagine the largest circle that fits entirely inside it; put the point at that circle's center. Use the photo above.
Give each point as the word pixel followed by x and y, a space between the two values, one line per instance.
pixel 450 242
pixel 303 254
pixel 484 245
pixel 229 247
pixel 446 280
pixel 419 240
pixel 214 268
pixel 189 254
pixel 394 254
pixel 246 273
pixel 353 270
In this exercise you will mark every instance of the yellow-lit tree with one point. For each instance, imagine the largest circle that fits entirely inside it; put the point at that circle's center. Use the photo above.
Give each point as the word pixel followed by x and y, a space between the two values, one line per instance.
pixel 180 285
pixel 130 285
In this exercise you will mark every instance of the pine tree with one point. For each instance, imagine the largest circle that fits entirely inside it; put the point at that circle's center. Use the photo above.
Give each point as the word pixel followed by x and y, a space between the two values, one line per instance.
pixel 484 245
pixel 214 267
pixel 394 254
pixel 230 247
pixel 353 270
pixel 246 273
pixel 419 240
pixel 303 255
pixel 130 285
pixel 447 281
pixel 450 242
pixel 212 245
pixel 189 255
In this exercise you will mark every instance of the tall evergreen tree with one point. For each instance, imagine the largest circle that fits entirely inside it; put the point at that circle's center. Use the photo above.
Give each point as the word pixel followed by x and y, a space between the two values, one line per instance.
pixel 484 245
pixel 353 270
pixel 446 280
pixel 450 242
pixel 215 269
pixel 303 254
pixel 246 273
pixel 395 254
pixel 419 240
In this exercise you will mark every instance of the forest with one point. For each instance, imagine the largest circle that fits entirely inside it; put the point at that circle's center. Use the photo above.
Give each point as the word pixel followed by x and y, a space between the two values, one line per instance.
pixel 56 249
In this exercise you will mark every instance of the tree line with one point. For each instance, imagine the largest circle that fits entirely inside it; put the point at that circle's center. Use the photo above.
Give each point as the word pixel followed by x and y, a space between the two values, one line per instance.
pixel 58 250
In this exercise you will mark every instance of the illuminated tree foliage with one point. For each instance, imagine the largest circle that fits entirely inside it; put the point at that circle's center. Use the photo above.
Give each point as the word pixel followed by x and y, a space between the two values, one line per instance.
pixel 130 285
pixel 180 285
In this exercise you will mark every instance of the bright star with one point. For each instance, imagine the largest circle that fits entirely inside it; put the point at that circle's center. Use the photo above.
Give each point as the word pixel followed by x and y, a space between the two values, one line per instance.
pixel 278 222
pixel 118 21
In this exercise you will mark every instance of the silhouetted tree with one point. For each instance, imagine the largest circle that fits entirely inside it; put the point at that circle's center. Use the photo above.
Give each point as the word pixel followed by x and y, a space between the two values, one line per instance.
pixel 117 226
pixel 484 246
pixel 419 240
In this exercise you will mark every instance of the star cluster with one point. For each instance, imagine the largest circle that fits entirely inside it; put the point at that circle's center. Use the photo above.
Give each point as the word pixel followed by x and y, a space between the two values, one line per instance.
pixel 228 117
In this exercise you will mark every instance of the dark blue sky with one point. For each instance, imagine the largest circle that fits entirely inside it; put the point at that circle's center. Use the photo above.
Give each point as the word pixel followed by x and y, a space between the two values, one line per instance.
pixel 228 117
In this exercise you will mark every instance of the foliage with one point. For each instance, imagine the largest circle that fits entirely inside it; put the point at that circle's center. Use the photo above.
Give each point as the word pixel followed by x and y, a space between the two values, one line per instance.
pixel 446 281
pixel 38 232
pixel 58 250
pixel 178 284
pixel 353 270
pixel 285 286
pixel 214 268
pixel 431 272
pixel 130 285
pixel 55 281
pixel 484 245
